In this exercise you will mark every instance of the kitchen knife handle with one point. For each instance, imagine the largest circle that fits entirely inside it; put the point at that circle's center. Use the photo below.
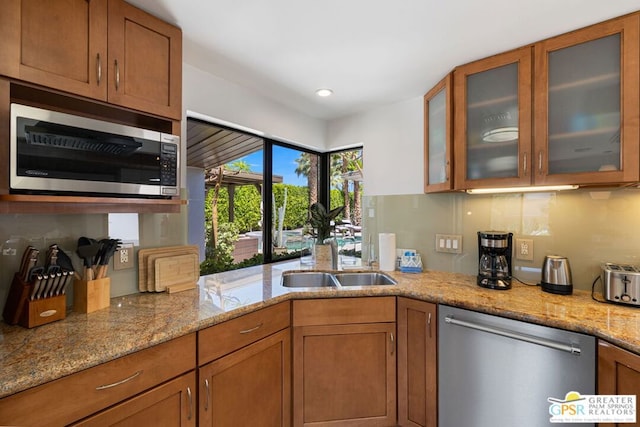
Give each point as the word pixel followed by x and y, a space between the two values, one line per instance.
pixel 117 383
pixel 206 388
pixel 99 68
pixel 117 74
pixel 190 398
pixel 255 328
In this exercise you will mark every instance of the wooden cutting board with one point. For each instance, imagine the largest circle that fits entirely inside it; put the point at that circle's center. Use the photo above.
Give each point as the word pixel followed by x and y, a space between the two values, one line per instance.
pixel 146 270
pixel 176 270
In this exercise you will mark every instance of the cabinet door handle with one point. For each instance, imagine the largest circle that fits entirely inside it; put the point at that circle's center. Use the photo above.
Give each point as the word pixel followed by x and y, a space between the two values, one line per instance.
pixel 447 172
pixel 524 164
pixel 540 162
pixel 190 398
pixel 117 383
pixel 429 324
pixel 117 74
pixel 255 328
pixel 99 68
pixel 393 343
pixel 206 392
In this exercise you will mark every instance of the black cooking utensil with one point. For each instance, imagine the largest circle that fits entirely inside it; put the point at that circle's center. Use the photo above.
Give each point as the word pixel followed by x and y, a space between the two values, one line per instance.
pixel 87 250
pixel 109 246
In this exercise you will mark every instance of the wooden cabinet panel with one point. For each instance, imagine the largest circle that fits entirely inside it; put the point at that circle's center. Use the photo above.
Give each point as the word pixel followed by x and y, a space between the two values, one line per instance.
pixel 170 405
pixel 344 375
pixel 249 387
pixel 492 122
pixel 344 310
pixel 417 364
pixel 586 104
pixel 33 49
pixel 218 340
pixel 99 387
pixel 438 136
pixel 145 61
pixel 618 373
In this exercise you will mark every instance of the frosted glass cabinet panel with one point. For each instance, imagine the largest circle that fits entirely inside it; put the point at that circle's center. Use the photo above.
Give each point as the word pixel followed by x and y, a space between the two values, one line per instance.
pixel 437 135
pixel 493 121
pixel 587 105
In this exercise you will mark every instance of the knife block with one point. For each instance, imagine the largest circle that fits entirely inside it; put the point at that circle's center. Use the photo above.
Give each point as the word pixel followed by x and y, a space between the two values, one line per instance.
pixel 91 295
pixel 27 313
pixel 41 311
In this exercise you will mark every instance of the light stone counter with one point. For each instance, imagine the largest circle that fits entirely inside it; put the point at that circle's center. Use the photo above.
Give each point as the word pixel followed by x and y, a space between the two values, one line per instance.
pixel 30 357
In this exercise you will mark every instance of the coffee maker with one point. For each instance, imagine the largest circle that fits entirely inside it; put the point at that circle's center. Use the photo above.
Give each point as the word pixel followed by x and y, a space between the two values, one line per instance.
pixel 494 259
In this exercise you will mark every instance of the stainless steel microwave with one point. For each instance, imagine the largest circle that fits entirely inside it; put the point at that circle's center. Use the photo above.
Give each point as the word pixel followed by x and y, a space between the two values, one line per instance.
pixel 58 153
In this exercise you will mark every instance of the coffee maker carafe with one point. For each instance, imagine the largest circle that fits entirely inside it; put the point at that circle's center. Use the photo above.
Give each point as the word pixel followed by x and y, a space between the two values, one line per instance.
pixel 494 259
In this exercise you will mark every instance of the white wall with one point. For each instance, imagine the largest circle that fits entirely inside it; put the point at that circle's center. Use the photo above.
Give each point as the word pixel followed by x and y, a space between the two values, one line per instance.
pixel 220 99
pixel 392 139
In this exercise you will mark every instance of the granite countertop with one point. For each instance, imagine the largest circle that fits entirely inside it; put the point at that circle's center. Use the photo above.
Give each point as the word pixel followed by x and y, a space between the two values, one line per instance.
pixel 30 357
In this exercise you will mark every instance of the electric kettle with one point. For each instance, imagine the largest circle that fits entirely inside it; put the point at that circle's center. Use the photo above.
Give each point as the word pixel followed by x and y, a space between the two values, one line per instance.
pixel 556 275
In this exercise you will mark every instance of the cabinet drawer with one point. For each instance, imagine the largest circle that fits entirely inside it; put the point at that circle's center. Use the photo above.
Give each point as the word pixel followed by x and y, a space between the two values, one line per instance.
pixel 344 310
pixel 74 397
pixel 218 340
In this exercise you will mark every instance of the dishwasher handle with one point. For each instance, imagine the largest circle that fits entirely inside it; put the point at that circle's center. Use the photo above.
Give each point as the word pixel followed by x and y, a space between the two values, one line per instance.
pixel 569 348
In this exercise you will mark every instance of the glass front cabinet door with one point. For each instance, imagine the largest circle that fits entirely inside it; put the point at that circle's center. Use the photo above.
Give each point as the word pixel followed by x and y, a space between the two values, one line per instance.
pixel 586 105
pixel 492 131
pixel 437 137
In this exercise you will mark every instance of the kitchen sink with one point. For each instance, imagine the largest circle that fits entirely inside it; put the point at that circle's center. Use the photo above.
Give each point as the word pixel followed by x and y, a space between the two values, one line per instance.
pixel 308 279
pixel 365 279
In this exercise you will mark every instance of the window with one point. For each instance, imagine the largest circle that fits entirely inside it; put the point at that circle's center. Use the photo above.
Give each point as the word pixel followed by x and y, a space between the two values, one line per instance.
pixel 258 193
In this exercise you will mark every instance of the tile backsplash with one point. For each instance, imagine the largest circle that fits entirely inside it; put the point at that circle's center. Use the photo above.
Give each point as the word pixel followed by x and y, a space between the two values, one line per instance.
pixel 588 227
pixel 40 231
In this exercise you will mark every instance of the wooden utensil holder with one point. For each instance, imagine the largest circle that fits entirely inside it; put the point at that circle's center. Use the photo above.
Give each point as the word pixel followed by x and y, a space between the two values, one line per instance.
pixel 92 295
pixel 27 313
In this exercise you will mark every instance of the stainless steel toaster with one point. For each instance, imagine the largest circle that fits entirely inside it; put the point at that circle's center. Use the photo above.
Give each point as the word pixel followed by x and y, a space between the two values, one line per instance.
pixel 621 283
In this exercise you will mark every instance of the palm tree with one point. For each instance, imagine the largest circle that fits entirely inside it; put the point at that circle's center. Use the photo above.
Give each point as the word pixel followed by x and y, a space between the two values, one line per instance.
pixel 307 165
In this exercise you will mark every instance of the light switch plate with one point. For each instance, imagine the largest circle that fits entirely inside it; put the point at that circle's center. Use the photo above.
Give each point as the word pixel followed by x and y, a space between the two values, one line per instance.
pixel 449 243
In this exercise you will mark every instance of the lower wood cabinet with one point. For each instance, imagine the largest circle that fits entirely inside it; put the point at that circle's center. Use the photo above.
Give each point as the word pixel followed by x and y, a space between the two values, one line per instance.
pixel 417 363
pixel 249 387
pixel 618 373
pixel 244 377
pixel 130 388
pixel 172 404
pixel 344 362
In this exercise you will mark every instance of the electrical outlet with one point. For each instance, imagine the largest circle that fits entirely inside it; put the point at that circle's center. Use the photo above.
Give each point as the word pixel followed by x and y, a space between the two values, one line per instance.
pixel 449 243
pixel 524 249
pixel 123 258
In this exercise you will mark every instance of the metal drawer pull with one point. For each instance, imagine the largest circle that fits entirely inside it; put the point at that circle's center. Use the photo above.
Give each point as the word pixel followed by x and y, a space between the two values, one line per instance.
pixel 255 328
pixel 99 68
pixel 569 348
pixel 206 402
pixel 429 324
pixel 117 74
pixel 393 343
pixel 106 386
pixel 190 398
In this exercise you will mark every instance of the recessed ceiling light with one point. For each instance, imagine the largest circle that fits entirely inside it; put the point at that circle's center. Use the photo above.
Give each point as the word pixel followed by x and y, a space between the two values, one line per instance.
pixel 324 92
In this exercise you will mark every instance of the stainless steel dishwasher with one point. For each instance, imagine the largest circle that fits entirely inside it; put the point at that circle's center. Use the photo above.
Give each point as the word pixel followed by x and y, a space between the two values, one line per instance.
pixel 497 372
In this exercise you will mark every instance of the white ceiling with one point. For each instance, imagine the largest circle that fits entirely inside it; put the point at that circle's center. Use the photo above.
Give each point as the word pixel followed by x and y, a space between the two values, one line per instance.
pixel 370 52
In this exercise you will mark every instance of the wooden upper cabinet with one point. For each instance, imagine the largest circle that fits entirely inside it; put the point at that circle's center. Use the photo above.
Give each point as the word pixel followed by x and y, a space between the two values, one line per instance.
pixel 492 121
pixel 438 142
pixel 145 61
pixel 59 44
pixel 586 105
pixel 100 49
